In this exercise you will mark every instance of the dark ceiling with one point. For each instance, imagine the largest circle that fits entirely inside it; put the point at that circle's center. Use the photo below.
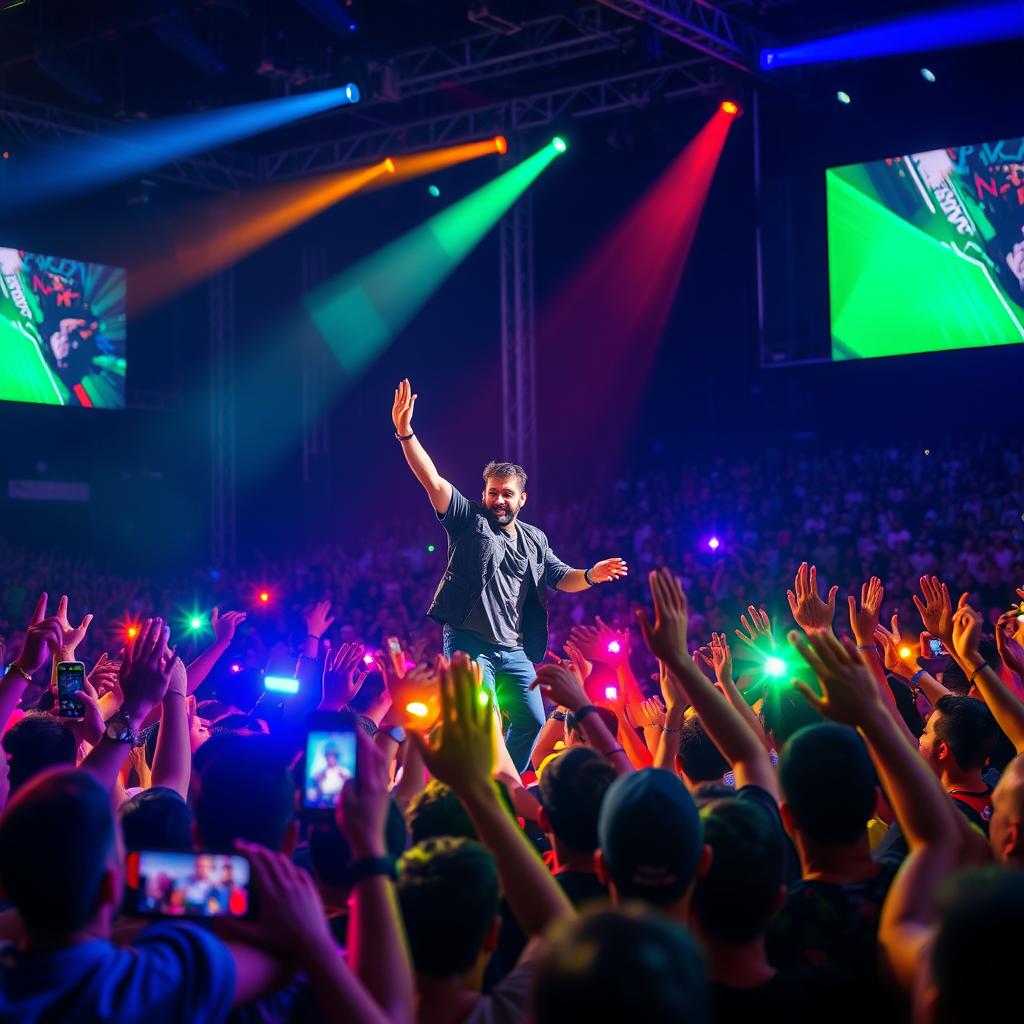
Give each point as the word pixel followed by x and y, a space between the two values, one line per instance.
pixel 131 59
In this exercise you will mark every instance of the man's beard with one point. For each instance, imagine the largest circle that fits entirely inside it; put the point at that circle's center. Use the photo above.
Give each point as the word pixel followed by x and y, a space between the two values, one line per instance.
pixel 504 519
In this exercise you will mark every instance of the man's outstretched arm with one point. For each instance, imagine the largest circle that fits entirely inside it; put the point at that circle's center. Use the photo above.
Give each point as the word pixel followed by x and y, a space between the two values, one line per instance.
pixel 439 490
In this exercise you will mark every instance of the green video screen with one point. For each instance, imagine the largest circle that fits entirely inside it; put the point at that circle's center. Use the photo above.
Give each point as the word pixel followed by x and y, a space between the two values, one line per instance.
pixel 926 251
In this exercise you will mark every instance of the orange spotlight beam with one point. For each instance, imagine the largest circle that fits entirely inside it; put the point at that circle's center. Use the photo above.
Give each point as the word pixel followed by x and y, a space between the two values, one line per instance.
pixel 416 164
pixel 252 221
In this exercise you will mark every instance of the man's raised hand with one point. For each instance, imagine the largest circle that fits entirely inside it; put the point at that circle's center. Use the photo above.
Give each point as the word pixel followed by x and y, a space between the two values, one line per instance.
pixel 146 670
pixel 936 609
pixel 758 630
pixel 609 569
pixel 224 625
pixel 71 636
pixel 864 620
pixel 850 694
pixel 401 411
pixel 812 614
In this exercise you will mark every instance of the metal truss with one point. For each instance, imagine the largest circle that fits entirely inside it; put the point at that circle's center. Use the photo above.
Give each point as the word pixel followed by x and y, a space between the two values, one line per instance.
pixel 223 489
pixel 634 89
pixel 518 362
pixel 40 123
pixel 541 42
pixel 701 25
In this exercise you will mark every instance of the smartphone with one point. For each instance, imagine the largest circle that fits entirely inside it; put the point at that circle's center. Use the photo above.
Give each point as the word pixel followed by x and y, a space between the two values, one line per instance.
pixel 394 645
pixel 173 883
pixel 70 680
pixel 935 645
pixel 330 760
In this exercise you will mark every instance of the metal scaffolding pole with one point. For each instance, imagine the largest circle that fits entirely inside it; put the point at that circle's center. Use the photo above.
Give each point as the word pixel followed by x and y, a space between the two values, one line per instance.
pixel 223 509
pixel 518 364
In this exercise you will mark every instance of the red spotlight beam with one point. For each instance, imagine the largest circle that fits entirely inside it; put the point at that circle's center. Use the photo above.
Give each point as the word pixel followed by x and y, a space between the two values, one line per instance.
pixel 605 326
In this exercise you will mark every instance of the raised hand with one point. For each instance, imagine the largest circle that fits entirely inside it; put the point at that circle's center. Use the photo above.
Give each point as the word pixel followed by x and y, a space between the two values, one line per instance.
pixel 966 631
pixel 850 694
pixel 652 713
pixel 600 643
pixel 319 619
pixel 864 620
pixel 758 630
pixel 71 636
pixel 561 685
pixel 609 569
pixel 721 656
pixel 103 677
pixel 936 609
pixel 812 614
pixel 1009 646
pixel 42 638
pixel 224 625
pixel 362 809
pixel 89 727
pixel 890 641
pixel 401 411
pixel 666 637
pixel 344 673
pixel 582 665
pixel 461 752
pixel 146 671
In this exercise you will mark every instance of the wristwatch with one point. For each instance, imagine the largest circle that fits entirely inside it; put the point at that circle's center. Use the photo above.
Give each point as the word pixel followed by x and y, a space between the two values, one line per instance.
pixel 368 867
pixel 119 729
pixel 397 733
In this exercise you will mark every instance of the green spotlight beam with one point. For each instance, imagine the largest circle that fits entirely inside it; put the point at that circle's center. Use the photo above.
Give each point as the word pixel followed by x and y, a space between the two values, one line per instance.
pixel 361 310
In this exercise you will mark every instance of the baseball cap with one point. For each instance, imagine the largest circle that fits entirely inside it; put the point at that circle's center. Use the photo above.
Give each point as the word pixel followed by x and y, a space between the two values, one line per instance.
pixel 650 835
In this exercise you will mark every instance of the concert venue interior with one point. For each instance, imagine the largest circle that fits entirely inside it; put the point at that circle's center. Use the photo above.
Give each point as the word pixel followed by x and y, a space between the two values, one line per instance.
pixel 739 284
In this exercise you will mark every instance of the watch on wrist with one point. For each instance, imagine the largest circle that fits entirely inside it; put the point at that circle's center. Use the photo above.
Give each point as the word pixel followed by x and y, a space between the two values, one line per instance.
pixel 119 729
pixel 397 733
pixel 368 867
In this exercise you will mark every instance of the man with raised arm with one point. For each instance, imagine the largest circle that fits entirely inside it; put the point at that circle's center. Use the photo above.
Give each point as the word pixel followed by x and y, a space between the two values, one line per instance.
pixel 492 599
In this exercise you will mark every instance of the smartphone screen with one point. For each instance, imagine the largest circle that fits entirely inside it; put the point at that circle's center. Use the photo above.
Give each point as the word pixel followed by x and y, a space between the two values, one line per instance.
pixel 169 883
pixel 936 647
pixel 70 680
pixel 330 760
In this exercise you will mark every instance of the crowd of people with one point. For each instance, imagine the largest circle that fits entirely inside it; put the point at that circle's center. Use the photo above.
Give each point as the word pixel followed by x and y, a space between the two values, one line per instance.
pixel 763 790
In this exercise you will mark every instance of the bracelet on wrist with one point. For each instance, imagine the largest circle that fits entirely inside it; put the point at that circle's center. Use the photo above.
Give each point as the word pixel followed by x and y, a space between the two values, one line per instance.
pixel 370 867
pixel 404 437
pixel 313 636
pixel 613 751
pixel 21 672
pixel 917 675
pixel 670 729
pixel 586 577
pixel 974 674
pixel 580 714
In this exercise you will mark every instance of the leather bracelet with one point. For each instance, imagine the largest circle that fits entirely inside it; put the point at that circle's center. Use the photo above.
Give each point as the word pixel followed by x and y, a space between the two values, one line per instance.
pixel 370 867
pixel 589 581
pixel 21 672
pixel 404 437
pixel 583 712
pixel 313 636
pixel 558 716
pixel 984 664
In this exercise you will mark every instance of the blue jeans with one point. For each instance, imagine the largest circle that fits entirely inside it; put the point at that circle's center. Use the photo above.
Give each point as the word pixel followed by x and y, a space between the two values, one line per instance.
pixel 508 675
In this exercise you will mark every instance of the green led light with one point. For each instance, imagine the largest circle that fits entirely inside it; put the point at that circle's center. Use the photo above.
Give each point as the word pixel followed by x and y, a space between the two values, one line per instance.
pixel 483 697
pixel 774 667
pixel 434 191
pixel 195 622
pixel 558 144
pixel 431 548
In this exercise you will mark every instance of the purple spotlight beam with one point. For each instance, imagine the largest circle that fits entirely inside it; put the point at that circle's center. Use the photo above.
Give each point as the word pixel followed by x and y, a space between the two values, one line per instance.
pixel 967 25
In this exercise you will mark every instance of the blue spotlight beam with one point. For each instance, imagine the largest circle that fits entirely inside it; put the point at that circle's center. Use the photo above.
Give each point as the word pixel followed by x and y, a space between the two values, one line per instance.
pixel 78 167
pixel 939 30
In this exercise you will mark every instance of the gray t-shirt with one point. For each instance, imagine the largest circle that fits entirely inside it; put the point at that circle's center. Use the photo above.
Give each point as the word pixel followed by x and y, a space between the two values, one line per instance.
pixel 497 617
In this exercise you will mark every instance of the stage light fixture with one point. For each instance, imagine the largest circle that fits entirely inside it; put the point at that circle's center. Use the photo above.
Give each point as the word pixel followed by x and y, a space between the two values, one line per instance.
pixel 501 143
pixel 434 191
pixel 558 144
pixel 611 693
pixel 927 74
pixel 389 165
pixel 264 597
pixel 774 667
pixel 843 97
pixel 133 632
pixel 730 107
pixel 417 709
pixel 195 623
pixel 281 684
pixel 236 667
pixel 714 543
pixel 431 549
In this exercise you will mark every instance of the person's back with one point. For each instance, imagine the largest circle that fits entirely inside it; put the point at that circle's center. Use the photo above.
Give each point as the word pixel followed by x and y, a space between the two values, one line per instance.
pixel 733 904
pixel 66 895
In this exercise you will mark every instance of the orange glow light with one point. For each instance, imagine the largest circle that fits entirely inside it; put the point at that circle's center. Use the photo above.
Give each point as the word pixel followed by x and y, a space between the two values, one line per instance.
pixel 729 107
pixel 501 143
pixel 389 165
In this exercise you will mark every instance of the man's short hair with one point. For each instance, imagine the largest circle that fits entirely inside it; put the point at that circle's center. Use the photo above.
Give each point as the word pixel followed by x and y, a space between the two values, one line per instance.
pixel 980 911
pixel 156 819
pixel 436 811
pixel 503 470
pixel 449 898
pixel 968 728
pixel 572 789
pixel 650 836
pixel 828 782
pixel 785 711
pixel 331 857
pixel 701 759
pixel 622 964
pixel 35 742
pixel 738 896
pixel 245 791
pixel 56 837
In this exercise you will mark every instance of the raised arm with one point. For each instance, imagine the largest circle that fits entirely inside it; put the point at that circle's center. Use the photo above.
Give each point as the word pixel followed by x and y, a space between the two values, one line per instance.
pixel 729 731
pixel 463 757
pixel 172 760
pixel 224 627
pixel 925 813
pixel 1006 708
pixel 439 490
pixel 42 639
